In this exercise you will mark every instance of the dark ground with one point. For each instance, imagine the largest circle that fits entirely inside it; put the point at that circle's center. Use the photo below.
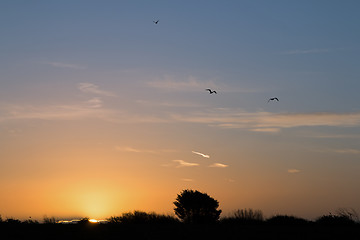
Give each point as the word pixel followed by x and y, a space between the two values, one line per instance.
pixel 177 231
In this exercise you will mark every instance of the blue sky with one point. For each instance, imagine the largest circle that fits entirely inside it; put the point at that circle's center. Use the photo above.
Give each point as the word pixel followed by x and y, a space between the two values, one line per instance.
pixel 98 84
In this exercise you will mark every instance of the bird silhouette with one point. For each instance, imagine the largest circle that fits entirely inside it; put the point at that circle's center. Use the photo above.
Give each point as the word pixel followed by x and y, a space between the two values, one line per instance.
pixel 210 91
pixel 272 99
pixel 156 22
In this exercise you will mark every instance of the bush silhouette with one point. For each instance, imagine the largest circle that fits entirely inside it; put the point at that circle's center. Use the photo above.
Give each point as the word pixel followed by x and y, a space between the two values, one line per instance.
pixel 196 207
pixel 245 216
pixel 349 213
pixel 335 220
pixel 12 221
pixel 48 220
pixel 139 217
pixel 287 220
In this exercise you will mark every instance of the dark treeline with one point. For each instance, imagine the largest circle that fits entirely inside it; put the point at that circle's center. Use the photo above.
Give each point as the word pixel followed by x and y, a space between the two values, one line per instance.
pixel 242 224
pixel 196 217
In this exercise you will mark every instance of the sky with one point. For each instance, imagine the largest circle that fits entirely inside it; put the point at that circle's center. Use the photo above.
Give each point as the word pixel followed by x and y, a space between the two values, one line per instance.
pixel 102 111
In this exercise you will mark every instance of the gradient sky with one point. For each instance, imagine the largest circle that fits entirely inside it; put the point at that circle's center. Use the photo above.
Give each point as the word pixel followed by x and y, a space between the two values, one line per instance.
pixel 102 111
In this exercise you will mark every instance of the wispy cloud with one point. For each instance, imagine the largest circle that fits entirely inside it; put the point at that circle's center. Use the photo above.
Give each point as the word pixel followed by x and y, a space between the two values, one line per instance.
pixel 182 163
pixel 95 102
pixel 331 136
pixel 139 150
pixel 65 65
pixel 133 150
pixel 306 51
pixel 266 130
pixel 188 84
pixel 191 83
pixel 54 112
pixel 148 103
pixel 293 170
pixel 269 122
pixel 347 151
pixel 94 89
pixel 219 165
pixel 201 154
pixel 187 179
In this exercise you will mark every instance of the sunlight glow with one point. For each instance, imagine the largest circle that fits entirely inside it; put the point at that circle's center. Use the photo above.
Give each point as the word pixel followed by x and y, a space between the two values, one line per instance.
pixel 93 221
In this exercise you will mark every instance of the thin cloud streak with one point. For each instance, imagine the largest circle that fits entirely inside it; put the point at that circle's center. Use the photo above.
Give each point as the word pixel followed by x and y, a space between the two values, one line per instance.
pixel 347 151
pixel 201 154
pixel 293 170
pixel 133 150
pixel 148 103
pixel 138 150
pixel 192 83
pixel 187 179
pixel 95 102
pixel 266 130
pixel 182 163
pixel 54 112
pixel 266 121
pixel 218 165
pixel 332 136
pixel 94 89
pixel 90 109
pixel 189 84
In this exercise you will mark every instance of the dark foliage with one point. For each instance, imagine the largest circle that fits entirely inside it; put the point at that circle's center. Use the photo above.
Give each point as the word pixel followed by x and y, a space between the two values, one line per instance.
pixel 48 220
pixel 349 213
pixel 335 220
pixel 287 220
pixel 16 229
pixel 196 207
pixel 12 221
pixel 139 217
pixel 29 221
pixel 243 224
pixel 245 216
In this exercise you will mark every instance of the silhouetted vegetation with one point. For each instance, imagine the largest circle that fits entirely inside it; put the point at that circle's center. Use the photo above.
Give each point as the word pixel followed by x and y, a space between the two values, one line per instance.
pixel 245 216
pixel 335 220
pixel 196 207
pixel 139 217
pixel 12 221
pixel 342 217
pixel 49 220
pixel 287 220
pixel 349 213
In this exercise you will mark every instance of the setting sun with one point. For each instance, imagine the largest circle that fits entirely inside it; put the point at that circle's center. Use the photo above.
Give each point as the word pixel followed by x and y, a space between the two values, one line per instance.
pixel 93 221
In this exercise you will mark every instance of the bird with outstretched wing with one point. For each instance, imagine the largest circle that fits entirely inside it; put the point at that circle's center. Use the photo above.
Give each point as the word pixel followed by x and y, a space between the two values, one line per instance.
pixel 211 91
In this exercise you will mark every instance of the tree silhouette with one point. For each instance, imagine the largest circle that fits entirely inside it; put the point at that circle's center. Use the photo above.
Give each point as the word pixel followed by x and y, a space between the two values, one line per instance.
pixel 196 207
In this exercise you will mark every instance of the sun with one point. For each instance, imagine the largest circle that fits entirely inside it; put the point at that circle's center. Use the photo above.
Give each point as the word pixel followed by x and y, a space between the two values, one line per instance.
pixel 93 221
pixel 96 204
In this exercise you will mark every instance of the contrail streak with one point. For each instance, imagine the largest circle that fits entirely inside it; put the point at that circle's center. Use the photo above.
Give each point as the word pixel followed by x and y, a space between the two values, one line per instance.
pixel 182 163
pixel 201 154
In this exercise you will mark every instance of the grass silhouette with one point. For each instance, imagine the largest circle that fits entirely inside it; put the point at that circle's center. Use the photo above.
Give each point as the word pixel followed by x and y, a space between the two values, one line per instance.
pixel 243 224
pixel 140 217
pixel 244 216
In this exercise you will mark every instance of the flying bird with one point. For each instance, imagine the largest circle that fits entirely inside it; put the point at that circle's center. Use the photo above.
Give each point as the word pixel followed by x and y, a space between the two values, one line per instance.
pixel 201 154
pixel 272 99
pixel 156 22
pixel 210 91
